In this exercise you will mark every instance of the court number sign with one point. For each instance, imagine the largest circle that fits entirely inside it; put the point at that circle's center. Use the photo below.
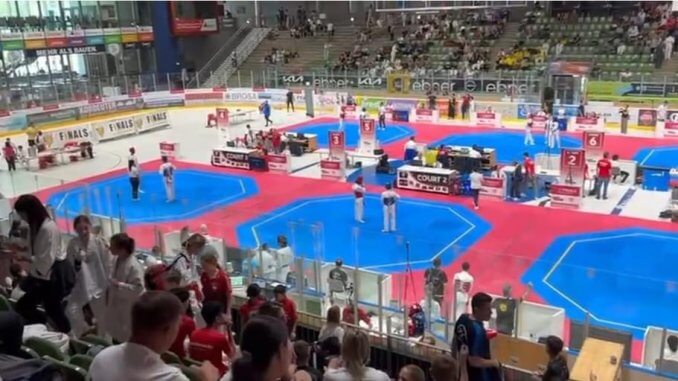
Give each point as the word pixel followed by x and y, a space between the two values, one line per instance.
pixel 572 158
pixel 593 142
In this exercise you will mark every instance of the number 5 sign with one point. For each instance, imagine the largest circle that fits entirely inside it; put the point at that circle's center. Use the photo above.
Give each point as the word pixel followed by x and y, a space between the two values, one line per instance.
pixel 593 143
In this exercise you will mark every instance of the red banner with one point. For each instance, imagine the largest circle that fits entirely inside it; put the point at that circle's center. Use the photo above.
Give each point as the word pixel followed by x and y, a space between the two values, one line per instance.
pixel 331 169
pixel 349 111
pixel 566 196
pixel 278 163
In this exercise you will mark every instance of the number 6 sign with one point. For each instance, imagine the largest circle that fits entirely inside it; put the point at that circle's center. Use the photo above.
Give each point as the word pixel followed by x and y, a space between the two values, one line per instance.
pixel 593 143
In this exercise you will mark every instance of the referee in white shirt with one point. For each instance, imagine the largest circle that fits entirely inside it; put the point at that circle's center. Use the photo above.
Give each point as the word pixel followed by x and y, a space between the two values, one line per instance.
pixel 476 179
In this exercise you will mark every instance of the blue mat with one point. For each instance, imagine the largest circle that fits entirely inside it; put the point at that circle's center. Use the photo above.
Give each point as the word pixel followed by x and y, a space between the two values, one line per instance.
pixel 324 229
pixel 392 133
pixel 508 144
pixel 658 157
pixel 626 279
pixel 197 192
pixel 370 175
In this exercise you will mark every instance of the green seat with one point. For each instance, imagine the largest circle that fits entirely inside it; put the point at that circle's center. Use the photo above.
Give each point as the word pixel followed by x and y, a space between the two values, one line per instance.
pixel 171 358
pixel 45 348
pixel 82 361
pixel 98 340
pixel 79 346
pixel 5 305
pixel 68 371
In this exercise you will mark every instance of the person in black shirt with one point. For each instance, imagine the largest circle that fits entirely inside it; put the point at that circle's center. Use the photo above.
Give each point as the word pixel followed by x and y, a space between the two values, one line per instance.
pixel 469 331
pixel 290 100
pixel 556 369
pixel 338 275
pixel 505 308
pixel 436 279
pixel 580 110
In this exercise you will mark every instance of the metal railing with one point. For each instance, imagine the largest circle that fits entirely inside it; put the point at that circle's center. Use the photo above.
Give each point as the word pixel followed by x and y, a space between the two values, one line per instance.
pixel 223 53
pixel 242 51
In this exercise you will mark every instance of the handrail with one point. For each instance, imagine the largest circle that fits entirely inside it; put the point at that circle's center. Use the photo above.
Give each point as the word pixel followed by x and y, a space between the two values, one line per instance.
pixel 243 50
pixel 227 47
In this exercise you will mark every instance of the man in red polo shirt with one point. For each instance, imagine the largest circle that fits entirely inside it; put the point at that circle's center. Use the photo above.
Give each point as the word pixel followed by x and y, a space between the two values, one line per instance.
pixel 187 325
pixel 212 343
pixel 288 307
pixel 603 174
pixel 530 173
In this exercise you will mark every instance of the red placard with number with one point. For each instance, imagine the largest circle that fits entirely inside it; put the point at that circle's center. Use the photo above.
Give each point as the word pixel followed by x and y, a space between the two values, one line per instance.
pixel 572 166
pixel 337 145
pixel 593 143
pixel 222 117
pixel 367 128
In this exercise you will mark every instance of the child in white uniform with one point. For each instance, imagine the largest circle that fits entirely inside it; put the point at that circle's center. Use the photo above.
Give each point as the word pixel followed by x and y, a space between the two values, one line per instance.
pixel 389 198
pixel 167 172
pixel 359 193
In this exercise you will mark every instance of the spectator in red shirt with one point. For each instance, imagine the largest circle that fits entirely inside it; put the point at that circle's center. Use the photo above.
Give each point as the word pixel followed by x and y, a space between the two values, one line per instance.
pixel 347 315
pixel 212 342
pixel 252 304
pixel 288 307
pixel 216 284
pixel 187 325
pixel 276 140
pixel 603 174
pixel 530 173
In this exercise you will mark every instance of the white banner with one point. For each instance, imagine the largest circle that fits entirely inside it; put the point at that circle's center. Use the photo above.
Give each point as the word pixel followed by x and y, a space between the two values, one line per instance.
pixel 59 137
pixel 241 95
pixel 424 115
pixel 156 119
pixel 115 128
pixel 492 187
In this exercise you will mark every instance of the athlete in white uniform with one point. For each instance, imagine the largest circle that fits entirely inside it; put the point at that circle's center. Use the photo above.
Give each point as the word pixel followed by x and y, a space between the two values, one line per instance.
pixel 389 198
pixel 167 172
pixel 359 193
pixel 463 282
pixel 529 140
pixel 554 131
pixel 342 116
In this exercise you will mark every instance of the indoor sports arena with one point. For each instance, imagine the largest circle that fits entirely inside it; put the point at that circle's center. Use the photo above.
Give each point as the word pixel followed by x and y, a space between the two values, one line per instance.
pixel 403 162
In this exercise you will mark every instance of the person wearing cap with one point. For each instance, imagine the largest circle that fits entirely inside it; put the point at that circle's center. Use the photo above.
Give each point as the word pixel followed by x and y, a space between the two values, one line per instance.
pixel 389 198
pixel 359 193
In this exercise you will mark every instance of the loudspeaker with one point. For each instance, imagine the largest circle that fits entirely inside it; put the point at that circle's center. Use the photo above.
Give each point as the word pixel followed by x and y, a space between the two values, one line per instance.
pixel 379 151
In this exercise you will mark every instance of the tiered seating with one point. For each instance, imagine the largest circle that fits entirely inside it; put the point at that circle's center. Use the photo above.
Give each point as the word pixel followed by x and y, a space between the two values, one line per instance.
pixel 591 38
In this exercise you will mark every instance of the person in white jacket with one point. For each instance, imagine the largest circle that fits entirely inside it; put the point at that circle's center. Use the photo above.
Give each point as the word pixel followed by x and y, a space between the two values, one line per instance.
pixel 126 284
pixel 93 264
pixel 389 198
